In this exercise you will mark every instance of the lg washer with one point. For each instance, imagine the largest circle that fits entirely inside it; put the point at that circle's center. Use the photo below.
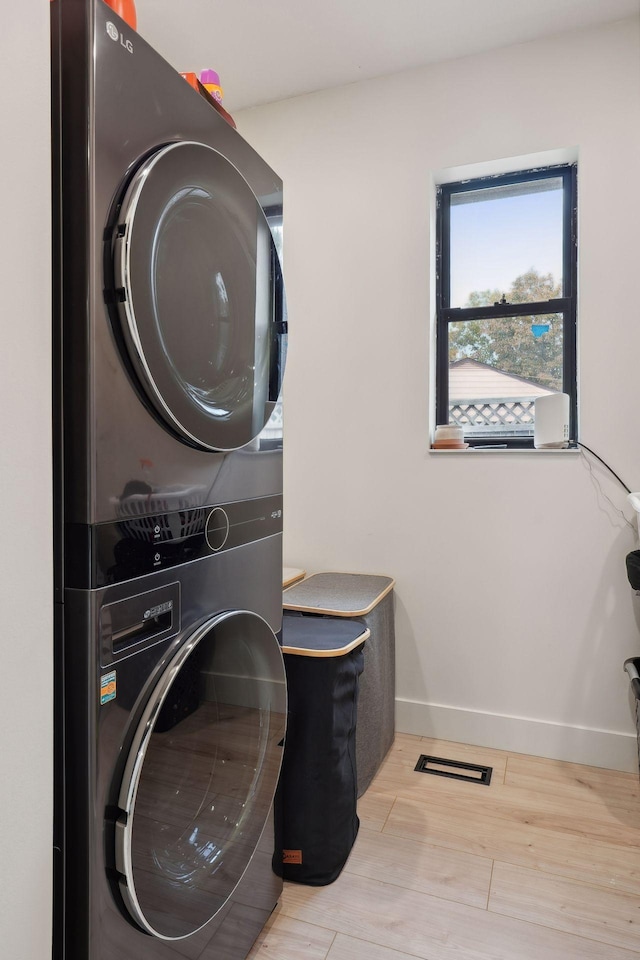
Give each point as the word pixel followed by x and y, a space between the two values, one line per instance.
pixel 174 716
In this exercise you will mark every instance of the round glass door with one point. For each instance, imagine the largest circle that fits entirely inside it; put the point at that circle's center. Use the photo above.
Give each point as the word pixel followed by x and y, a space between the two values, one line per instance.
pixel 199 292
pixel 201 775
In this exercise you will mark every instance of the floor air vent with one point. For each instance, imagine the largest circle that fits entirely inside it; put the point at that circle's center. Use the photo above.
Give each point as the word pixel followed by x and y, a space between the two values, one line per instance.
pixel 440 767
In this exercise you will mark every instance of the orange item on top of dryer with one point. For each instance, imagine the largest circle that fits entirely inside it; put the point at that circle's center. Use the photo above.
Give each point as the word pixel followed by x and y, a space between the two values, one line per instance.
pixel 191 78
pixel 125 9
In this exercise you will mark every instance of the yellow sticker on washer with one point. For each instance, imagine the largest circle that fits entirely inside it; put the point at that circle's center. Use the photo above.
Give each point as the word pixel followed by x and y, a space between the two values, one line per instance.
pixel 107 687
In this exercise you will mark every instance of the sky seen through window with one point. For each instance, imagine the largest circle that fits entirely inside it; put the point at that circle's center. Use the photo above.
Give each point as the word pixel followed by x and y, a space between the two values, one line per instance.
pixel 493 241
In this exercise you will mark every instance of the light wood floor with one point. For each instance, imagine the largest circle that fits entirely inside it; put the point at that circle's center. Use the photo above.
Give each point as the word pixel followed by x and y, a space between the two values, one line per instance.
pixel 543 864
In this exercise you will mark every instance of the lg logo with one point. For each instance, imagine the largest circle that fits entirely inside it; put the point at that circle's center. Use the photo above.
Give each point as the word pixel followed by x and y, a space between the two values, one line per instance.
pixel 115 34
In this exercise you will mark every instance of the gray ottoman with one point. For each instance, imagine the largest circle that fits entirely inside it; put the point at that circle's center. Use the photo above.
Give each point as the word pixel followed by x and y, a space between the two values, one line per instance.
pixel 368 599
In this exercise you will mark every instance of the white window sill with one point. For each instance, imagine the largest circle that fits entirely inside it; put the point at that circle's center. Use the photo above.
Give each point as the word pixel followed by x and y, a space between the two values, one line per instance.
pixel 526 451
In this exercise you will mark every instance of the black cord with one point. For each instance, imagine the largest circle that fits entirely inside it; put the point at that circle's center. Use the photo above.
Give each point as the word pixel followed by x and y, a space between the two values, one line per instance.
pixel 593 454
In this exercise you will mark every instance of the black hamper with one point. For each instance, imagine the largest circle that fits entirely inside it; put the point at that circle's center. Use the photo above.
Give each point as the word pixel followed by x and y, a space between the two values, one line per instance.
pixel 632 665
pixel 369 601
pixel 316 820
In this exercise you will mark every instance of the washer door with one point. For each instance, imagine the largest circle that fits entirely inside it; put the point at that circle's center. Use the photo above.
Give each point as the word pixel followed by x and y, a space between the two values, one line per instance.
pixel 198 288
pixel 201 775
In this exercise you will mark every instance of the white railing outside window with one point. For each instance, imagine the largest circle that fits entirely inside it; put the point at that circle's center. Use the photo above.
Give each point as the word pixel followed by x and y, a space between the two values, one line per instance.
pixel 494 417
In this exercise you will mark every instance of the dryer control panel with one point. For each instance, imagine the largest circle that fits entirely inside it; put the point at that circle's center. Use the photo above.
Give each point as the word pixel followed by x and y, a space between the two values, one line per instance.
pixel 141 544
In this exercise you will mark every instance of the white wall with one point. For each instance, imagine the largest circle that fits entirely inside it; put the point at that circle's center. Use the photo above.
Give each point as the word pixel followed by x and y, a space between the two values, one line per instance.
pixel 25 471
pixel 514 614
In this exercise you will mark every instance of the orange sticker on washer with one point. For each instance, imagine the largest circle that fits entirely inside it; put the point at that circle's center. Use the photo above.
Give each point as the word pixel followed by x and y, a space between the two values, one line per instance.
pixel 108 687
pixel 292 856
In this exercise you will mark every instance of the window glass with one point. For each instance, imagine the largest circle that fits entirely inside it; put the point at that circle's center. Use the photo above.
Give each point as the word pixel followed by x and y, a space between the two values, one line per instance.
pixel 203 272
pixel 502 234
pixel 201 309
pixel 204 783
pixel 506 302
pixel 497 369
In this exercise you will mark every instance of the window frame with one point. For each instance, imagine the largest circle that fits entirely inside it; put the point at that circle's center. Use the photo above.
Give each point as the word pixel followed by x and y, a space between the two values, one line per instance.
pixel 565 305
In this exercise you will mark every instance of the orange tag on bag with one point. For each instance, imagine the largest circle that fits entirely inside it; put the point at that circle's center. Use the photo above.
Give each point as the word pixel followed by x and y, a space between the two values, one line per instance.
pixel 292 856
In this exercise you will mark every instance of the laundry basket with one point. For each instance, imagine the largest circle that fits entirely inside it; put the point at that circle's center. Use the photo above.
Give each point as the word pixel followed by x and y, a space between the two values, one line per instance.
pixel 316 819
pixel 632 666
pixel 368 600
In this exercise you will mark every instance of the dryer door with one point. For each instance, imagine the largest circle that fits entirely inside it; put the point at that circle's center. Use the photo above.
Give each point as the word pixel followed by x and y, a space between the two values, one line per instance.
pixel 201 775
pixel 198 289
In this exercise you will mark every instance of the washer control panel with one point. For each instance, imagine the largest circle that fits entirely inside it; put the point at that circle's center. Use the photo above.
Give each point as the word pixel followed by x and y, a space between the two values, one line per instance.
pixel 138 545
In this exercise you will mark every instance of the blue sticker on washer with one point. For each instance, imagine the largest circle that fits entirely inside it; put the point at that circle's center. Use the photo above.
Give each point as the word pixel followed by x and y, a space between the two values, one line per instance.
pixel 107 687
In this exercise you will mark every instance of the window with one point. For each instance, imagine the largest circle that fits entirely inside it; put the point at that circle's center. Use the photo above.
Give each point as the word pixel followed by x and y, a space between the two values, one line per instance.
pixel 506 301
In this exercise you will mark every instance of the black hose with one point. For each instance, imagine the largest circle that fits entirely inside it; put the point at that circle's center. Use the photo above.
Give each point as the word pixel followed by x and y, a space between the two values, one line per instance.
pixel 593 454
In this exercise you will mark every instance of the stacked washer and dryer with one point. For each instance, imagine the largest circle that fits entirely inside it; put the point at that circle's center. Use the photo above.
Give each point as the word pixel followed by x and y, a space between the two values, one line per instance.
pixel 170 334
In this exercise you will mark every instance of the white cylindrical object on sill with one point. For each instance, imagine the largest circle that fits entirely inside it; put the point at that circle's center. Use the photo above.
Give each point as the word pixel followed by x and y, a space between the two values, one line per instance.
pixel 551 429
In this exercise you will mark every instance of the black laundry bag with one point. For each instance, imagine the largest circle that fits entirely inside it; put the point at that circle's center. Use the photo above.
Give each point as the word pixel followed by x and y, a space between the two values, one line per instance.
pixel 633 568
pixel 315 805
pixel 368 600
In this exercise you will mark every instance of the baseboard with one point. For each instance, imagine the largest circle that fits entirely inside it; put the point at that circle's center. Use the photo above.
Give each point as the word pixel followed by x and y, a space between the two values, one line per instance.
pixel 598 748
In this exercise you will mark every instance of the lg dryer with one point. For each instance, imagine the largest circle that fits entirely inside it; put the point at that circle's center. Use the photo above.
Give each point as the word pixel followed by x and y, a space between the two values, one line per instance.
pixel 173 337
